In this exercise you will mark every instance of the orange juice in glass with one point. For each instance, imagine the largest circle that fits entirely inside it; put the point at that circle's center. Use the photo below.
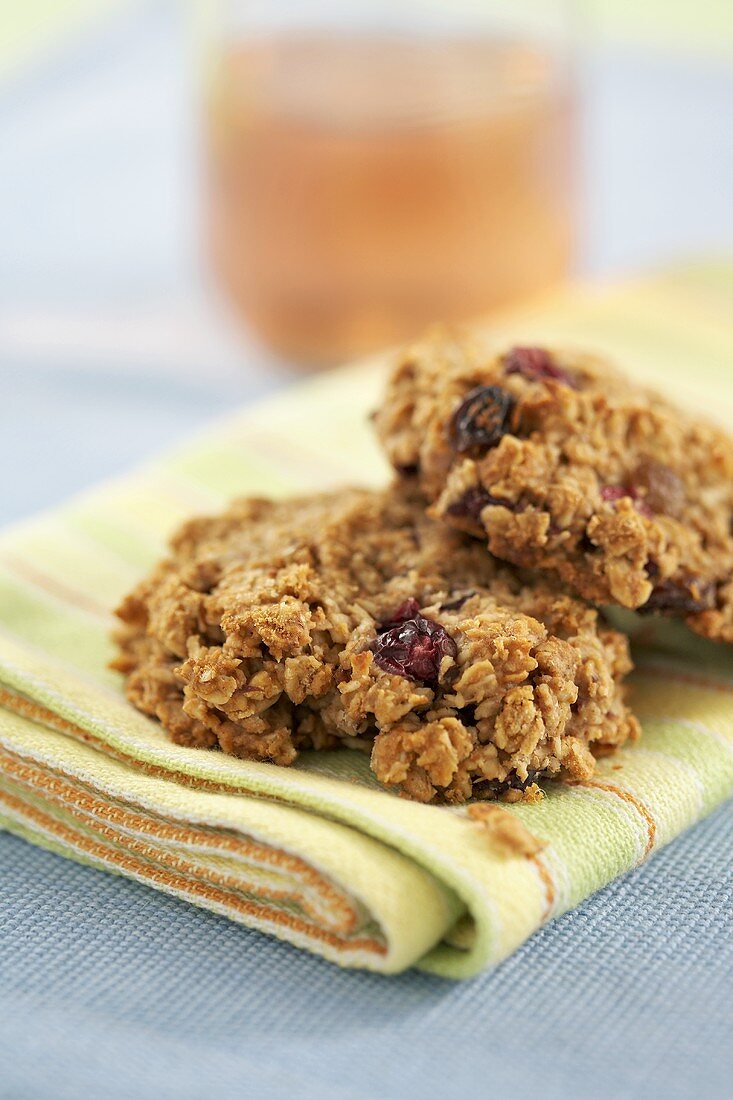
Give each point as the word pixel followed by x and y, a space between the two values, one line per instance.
pixel 366 179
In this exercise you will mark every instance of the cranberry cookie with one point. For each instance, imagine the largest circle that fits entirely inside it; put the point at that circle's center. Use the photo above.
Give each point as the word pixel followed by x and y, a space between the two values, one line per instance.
pixel 563 465
pixel 352 619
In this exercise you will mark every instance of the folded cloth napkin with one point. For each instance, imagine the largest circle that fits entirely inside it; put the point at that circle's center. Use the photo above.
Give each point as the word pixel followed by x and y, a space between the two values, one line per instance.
pixel 318 854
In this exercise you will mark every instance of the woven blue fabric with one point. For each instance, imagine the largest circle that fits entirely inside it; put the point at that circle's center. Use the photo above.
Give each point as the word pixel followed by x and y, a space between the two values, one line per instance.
pixel 109 989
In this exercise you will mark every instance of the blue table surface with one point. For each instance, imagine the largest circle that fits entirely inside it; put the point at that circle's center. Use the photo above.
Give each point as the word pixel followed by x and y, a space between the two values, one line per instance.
pixel 108 989
pixel 110 348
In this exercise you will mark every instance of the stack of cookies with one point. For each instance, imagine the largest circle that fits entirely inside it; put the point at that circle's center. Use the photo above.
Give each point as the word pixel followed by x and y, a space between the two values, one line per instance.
pixel 449 625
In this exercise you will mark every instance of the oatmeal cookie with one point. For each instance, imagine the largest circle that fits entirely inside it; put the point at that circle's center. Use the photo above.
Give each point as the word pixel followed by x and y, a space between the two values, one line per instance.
pixel 351 618
pixel 563 465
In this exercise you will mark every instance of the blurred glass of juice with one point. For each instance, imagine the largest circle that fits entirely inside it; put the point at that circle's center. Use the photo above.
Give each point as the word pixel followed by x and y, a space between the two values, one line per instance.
pixel 362 185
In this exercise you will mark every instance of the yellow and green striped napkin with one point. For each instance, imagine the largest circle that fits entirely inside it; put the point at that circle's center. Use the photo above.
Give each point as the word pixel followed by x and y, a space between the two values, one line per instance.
pixel 318 854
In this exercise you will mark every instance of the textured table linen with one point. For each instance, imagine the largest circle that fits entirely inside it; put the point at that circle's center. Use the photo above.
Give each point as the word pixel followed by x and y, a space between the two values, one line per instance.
pixel 318 855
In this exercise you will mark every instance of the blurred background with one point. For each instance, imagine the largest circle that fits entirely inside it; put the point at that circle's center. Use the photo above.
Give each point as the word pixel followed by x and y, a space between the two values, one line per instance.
pixel 200 201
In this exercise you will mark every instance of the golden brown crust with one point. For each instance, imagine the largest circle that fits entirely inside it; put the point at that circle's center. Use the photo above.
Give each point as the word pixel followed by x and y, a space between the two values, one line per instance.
pixel 590 479
pixel 266 632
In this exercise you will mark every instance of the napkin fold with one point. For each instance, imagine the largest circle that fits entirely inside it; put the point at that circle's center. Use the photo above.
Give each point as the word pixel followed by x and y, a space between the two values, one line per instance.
pixel 319 854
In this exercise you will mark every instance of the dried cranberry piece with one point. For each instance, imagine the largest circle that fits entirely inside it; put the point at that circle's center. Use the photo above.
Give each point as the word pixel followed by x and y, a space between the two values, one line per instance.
pixel 673 596
pixel 412 646
pixel 481 419
pixel 408 609
pixel 612 493
pixel 536 365
pixel 473 502
pixel 654 489
pixel 663 489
